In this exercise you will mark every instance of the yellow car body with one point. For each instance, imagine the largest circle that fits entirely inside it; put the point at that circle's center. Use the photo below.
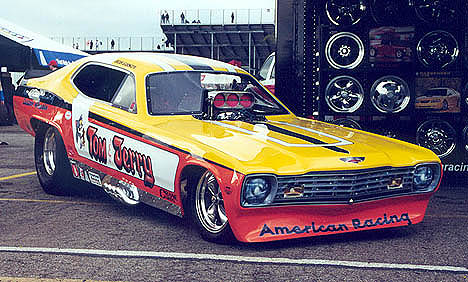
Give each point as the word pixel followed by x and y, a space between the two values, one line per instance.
pixel 211 164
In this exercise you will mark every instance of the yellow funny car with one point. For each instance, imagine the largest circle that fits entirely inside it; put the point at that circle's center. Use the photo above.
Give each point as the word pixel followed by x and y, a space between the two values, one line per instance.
pixel 202 138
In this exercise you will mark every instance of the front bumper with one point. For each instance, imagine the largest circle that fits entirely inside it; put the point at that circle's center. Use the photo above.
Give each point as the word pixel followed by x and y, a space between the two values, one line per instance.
pixel 288 222
pixel 429 105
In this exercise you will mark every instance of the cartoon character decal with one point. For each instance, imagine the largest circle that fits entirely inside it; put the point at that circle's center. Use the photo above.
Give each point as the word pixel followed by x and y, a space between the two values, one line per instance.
pixel 80 134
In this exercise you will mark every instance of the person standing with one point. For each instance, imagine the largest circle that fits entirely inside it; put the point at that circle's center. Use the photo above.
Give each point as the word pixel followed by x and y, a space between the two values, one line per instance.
pixel 182 18
pixel 232 17
pixel 3 109
pixel 112 44
pixel 8 89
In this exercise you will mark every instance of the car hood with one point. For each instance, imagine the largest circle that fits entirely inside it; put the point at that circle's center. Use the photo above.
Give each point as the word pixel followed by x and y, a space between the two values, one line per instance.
pixel 288 145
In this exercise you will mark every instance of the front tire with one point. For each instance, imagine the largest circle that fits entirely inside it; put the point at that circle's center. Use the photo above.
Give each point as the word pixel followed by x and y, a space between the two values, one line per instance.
pixel 207 209
pixel 52 165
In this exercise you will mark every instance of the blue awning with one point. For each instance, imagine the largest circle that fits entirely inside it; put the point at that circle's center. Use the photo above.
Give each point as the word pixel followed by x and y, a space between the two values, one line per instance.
pixel 22 49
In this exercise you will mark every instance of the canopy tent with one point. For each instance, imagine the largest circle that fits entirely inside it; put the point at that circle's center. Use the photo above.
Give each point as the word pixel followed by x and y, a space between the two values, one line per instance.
pixel 21 49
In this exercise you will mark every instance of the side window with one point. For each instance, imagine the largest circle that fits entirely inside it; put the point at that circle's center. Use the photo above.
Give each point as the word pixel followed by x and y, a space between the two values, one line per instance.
pixel 266 67
pixel 125 98
pixel 99 82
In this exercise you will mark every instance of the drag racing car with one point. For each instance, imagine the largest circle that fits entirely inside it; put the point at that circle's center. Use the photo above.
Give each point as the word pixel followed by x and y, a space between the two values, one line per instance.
pixel 202 138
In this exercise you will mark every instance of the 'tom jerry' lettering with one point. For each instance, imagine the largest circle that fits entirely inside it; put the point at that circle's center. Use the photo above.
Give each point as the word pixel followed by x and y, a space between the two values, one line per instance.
pixel 96 145
pixel 132 161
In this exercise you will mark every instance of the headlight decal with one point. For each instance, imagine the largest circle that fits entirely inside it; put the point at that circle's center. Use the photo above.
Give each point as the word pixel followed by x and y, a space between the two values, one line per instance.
pixel 426 177
pixel 258 190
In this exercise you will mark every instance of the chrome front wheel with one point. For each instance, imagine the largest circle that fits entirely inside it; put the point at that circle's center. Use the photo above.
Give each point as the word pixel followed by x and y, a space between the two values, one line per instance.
pixel 209 204
pixel 207 208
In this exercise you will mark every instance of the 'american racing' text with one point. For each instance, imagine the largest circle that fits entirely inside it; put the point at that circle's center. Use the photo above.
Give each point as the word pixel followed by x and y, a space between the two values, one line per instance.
pixel 356 223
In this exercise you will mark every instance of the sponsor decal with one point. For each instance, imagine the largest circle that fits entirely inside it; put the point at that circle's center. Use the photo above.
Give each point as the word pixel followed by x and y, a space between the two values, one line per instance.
pixel 76 172
pixel 68 115
pixel 37 105
pixel 94 178
pixel 28 103
pixel 125 64
pixel 395 183
pixel 356 223
pixel 9 33
pixel 461 167
pixel 164 194
pixel 294 191
pixel 354 160
pixel 35 94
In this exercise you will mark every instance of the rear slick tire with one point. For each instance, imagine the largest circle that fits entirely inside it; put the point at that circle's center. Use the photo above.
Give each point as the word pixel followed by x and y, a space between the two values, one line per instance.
pixel 52 164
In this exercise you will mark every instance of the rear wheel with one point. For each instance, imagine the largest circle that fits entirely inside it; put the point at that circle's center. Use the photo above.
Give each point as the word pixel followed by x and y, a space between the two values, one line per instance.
pixel 52 165
pixel 207 208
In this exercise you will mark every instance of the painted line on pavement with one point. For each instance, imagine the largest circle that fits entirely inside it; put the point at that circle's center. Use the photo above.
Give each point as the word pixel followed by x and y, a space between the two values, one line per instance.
pixel 52 201
pixel 232 258
pixel 17 175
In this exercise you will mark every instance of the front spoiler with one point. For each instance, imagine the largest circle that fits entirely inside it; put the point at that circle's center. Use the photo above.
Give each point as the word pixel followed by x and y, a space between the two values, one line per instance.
pixel 289 222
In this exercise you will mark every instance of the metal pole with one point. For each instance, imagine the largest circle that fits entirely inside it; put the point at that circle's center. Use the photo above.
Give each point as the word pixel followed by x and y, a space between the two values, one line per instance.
pixel 250 44
pixel 212 45
pixel 254 60
pixel 175 43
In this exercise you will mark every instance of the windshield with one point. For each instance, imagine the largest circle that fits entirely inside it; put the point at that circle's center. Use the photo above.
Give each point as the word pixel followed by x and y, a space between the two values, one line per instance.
pixel 436 92
pixel 184 92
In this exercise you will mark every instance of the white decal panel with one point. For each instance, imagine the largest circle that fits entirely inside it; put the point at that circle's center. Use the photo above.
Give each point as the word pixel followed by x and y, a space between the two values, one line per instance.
pixel 126 155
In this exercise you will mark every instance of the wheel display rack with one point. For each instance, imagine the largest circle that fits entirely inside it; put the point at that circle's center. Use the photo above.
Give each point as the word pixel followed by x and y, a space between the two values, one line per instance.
pixel 394 67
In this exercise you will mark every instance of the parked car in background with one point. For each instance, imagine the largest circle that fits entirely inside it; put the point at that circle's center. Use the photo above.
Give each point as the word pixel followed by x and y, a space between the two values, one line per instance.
pixel 267 73
pixel 202 138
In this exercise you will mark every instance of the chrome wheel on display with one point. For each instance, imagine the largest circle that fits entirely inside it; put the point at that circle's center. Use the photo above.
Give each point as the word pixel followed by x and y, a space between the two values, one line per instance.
pixel 344 50
pixel 345 12
pixel 347 122
pixel 209 204
pixel 437 11
pixel 388 11
pixel 390 94
pixel 438 136
pixel 344 94
pixel 465 137
pixel 437 49
pixel 465 93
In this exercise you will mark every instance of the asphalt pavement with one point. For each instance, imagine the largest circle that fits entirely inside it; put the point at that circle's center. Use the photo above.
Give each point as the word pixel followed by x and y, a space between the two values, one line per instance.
pixel 91 237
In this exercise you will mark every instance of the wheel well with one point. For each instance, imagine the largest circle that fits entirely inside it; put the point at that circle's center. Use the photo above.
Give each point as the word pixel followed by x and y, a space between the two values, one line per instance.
pixel 189 177
pixel 38 125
